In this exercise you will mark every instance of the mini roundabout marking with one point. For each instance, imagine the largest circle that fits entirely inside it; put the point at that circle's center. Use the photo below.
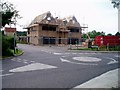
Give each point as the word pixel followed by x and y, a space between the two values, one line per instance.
pixel 87 59
pixel 82 60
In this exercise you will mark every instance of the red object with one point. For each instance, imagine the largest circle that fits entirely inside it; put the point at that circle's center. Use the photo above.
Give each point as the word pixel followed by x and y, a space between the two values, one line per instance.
pixel 107 40
pixel 7 29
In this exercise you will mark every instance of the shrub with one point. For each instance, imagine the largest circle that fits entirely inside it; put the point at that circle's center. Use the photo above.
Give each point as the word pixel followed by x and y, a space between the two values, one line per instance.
pixel 7 44
pixel 103 48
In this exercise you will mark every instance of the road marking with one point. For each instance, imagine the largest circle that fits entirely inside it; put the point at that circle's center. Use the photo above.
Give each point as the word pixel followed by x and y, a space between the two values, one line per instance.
pixel 117 56
pixel 6 74
pixel 65 60
pixel 32 61
pixel 25 62
pixel 19 60
pixel 87 59
pixel 86 53
pixel 1 70
pixel 32 67
pixel 57 53
pixel 74 53
pixel 113 61
pixel 13 59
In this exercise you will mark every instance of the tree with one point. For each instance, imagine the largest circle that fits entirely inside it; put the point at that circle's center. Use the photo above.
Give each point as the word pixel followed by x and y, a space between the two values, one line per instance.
pixel 93 34
pixel 109 34
pixel 9 14
pixel 117 34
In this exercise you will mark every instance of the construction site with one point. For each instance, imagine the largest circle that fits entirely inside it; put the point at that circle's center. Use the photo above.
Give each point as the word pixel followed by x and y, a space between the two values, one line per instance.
pixel 46 29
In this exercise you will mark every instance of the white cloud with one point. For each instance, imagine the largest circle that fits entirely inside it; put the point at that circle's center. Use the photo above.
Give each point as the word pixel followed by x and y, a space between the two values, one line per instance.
pixel 98 14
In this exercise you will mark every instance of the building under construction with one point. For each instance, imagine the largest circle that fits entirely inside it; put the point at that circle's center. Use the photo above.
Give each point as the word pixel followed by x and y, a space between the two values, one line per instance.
pixel 46 29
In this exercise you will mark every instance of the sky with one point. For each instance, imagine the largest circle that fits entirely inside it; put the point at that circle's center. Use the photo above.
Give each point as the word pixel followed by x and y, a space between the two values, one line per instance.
pixel 99 15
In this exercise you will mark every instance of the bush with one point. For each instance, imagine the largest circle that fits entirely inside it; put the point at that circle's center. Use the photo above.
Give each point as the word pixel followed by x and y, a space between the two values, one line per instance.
pixel 7 44
pixel 103 48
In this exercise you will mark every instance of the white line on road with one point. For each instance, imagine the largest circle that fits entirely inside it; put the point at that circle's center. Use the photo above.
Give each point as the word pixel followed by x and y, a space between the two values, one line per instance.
pixel 57 53
pixel 1 70
pixel 25 62
pixel 6 74
pixel 13 59
pixel 117 56
pixel 87 59
pixel 65 60
pixel 113 61
pixel 32 61
pixel 32 67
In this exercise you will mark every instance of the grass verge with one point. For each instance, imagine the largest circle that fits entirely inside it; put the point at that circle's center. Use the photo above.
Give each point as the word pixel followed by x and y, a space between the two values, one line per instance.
pixel 17 53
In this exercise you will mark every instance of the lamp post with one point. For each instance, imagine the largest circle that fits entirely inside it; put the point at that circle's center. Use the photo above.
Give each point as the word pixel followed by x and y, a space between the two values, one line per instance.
pixel 14 43
pixel 116 4
pixel 70 34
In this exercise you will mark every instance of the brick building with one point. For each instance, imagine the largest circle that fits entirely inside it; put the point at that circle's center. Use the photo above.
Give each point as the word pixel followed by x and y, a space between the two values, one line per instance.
pixel 9 31
pixel 46 29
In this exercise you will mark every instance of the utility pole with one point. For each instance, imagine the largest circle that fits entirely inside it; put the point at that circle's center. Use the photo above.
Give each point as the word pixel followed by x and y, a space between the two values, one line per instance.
pixel 70 34
pixel 116 4
pixel 14 43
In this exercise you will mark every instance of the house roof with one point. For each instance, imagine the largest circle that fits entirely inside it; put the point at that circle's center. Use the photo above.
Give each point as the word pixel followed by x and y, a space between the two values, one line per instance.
pixel 44 16
pixel 9 29
pixel 47 17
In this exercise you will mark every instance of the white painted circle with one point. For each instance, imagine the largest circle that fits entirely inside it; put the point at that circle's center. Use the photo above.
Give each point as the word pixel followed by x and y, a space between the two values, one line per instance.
pixel 87 59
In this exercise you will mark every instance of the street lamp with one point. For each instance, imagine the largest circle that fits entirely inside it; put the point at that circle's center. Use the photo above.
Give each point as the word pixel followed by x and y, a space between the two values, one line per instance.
pixel 14 42
pixel 116 4
pixel 70 34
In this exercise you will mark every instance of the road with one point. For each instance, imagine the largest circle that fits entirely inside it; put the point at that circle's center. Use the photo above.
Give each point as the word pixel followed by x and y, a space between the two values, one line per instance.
pixel 54 67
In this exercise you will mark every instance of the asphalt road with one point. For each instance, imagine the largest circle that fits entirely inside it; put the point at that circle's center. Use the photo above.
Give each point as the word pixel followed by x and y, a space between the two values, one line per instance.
pixel 54 67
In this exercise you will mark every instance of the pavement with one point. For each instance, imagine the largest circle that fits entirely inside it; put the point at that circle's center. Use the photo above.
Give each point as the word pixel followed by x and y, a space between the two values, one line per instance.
pixel 107 80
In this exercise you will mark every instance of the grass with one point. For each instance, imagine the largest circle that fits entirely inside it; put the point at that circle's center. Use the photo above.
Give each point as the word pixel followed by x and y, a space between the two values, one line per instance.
pixel 102 48
pixel 90 49
pixel 17 53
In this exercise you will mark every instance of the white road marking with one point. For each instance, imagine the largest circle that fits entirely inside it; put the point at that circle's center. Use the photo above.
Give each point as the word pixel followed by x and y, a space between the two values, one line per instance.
pixel 19 61
pixel 57 53
pixel 117 56
pixel 87 59
pixel 32 67
pixel 25 62
pixel 74 53
pixel 13 59
pixel 1 70
pixel 113 61
pixel 32 61
pixel 65 60
pixel 6 74
pixel 66 53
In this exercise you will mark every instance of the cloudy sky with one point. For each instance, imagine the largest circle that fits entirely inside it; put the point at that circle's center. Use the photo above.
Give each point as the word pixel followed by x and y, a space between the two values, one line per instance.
pixel 98 14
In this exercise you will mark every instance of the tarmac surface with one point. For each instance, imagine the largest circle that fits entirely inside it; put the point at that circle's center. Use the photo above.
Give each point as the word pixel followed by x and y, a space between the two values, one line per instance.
pixel 58 67
pixel 107 80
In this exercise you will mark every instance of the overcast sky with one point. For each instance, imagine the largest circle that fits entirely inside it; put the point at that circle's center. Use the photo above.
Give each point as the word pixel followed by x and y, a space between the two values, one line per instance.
pixel 98 14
